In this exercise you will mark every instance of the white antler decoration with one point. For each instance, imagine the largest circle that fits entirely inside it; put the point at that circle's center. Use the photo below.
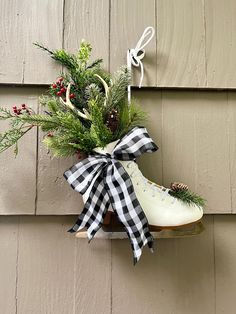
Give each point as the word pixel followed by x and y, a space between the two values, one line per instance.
pixel 69 104
pixel 106 87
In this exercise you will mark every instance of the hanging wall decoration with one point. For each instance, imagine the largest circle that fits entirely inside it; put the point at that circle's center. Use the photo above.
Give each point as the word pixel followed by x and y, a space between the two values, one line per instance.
pixel 86 112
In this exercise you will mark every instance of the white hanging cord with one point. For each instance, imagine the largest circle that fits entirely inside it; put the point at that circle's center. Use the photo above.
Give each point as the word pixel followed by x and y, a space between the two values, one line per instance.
pixel 135 55
pixel 129 67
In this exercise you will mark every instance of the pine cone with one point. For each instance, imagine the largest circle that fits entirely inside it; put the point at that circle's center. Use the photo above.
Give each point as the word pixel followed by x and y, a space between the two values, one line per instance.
pixel 112 120
pixel 178 186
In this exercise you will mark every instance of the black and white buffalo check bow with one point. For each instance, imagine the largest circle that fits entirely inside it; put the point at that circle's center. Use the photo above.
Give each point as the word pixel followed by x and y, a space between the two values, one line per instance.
pixel 113 186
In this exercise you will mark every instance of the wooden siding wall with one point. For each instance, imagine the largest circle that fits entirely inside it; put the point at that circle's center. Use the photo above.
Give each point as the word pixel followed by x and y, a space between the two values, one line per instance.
pixel 195 44
pixel 43 269
pixel 195 131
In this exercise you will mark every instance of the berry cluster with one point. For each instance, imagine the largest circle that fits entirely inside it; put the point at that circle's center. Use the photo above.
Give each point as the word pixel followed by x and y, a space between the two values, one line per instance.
pixel 20 110
pixel 60 89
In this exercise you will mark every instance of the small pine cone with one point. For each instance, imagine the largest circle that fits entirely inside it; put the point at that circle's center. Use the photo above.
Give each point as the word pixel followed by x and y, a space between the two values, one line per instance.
pixel 112 120
pixel 178 186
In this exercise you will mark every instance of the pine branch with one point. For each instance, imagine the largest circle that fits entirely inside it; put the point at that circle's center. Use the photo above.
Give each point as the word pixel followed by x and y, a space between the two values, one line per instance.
pixel 61 56
pixel 136 116
pixel 99 130
pixel 118 88
pixel 46 121
pixel 95 64
pixel 188 197
pixel 51 102
pixel 43 48
pixel 130 116
pixel 58 147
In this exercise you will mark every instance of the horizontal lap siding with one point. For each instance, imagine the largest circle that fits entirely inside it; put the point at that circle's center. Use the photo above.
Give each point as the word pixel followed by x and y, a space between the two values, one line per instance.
pixel 128 22
pixel 194 44
pixel 196 144
pixel 46 270
pixel 220 43
pixel 18 174
pixel 181 43
pixel 22 23
pixel 195 133
pixel 164 282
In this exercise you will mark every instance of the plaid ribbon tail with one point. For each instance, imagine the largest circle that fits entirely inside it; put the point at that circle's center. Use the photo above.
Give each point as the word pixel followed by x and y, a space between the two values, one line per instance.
pixel 126 205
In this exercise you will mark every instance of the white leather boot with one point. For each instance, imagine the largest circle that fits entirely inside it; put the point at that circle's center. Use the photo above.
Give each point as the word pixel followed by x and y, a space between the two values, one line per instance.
pixel 161 209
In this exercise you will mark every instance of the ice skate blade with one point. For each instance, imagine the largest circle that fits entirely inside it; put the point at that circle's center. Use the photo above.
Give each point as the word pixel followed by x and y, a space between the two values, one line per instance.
pixel 112 224
pixel 159 228
pixel 178 232
pixel 182 231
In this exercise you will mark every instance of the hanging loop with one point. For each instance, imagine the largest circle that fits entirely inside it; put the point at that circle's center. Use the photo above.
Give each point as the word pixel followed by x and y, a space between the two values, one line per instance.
pixel 135 55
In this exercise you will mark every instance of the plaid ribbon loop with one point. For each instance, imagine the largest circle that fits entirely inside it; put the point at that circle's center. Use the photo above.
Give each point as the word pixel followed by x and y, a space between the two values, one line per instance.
pixel 111 185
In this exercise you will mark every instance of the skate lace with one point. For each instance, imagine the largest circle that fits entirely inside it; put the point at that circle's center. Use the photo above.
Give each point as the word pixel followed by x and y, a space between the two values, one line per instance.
pixel 161 190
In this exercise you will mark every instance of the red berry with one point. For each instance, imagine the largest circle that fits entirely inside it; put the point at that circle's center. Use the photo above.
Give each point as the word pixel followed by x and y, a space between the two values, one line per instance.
pixel 14 107
pixel 50 134
pixel 59 93
pixel 54 85
pixel 23 106
pixel 72 95
pixel 15 110
pixel 63 90
pixel 60 79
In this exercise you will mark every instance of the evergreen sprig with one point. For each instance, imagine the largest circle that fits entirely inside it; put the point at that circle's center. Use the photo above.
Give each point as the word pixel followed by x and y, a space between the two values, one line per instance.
pixel 61 56
pixel 188 197
pixel 118 87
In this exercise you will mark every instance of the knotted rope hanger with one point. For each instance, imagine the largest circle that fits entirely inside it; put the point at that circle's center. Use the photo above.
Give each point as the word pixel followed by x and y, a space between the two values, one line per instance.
pixel 135 55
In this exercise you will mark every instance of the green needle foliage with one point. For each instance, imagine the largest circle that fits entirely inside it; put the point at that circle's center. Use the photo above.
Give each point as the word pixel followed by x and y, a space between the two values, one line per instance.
pixel 81 119
pixel 188 197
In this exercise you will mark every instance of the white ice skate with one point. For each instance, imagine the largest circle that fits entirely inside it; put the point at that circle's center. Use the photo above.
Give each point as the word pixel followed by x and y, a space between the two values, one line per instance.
pixel 162 210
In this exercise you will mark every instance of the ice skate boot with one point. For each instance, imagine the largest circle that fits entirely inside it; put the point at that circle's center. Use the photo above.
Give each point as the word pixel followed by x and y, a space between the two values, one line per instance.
pixel 162 210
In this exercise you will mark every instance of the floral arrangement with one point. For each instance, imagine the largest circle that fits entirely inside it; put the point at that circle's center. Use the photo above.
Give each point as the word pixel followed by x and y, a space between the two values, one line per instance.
pixel 87 108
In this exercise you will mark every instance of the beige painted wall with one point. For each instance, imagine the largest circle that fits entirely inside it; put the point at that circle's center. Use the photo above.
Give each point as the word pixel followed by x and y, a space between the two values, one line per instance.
pixel 45 270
